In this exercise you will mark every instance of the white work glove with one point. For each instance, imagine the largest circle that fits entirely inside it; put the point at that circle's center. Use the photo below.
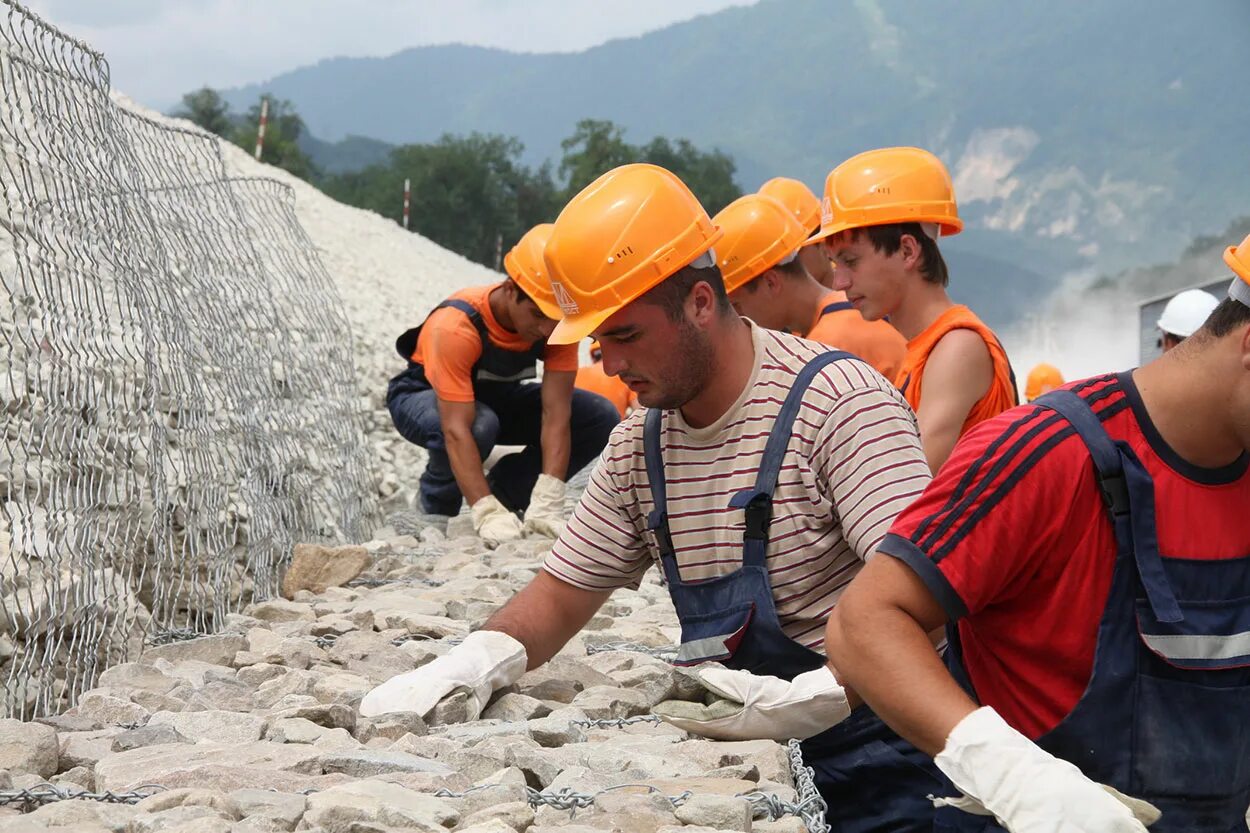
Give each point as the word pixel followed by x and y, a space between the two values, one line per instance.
pixel 545 516
pixel 493 523
pixel 1004 774
pixel 485 662
pixel 757 707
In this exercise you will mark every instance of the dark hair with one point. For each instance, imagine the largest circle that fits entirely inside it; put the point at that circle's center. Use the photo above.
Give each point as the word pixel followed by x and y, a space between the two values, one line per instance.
pixel 519 294
pixel 1228 316
pixel 793 269
pixel 888 239
pixel 670 294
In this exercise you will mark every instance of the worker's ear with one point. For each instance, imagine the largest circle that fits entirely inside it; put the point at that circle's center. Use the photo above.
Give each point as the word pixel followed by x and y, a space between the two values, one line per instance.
pixel 909 249
pixel 774 281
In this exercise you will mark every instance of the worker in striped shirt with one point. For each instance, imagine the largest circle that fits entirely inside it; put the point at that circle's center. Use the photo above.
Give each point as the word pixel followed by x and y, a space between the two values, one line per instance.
pixel 762 472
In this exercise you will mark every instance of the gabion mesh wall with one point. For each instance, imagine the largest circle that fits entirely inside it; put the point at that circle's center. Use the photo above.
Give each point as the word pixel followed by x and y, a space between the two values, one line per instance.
pixel 176 391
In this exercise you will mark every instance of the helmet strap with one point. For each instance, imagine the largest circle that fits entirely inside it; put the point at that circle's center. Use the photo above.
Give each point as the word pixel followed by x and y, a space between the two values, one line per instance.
pixel 1240 291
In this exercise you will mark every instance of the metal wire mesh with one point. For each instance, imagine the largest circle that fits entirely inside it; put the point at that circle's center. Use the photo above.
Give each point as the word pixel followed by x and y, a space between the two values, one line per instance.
pixel 176 390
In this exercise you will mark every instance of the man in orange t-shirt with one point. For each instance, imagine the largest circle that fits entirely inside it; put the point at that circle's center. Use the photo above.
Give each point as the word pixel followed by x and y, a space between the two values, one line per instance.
pixel 465 391
pixel 594 378
pixel 882 214
pixel 768 283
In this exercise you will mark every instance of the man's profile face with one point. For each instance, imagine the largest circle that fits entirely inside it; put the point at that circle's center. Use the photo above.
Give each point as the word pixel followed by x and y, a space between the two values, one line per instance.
pixel 529 320
pixel 873 281
pixel 665 363
pixel 757 300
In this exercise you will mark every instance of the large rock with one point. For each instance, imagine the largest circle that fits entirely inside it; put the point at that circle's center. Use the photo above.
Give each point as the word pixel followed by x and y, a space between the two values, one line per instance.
pixel 314 567
pixel 364 763
pixel 176 764
pixel 280 610
pixel 716 811
pixel 218 649
pixel 108 709
pixel 28 748
pixel 82 814
pixel 215 726
pixel 284 810
pixel 146 736
pixel 85 748
pixel 339 808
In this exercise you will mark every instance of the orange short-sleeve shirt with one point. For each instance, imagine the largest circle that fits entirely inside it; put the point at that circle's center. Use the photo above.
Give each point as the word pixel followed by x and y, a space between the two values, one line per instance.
pixel 876 342
pixel 449 346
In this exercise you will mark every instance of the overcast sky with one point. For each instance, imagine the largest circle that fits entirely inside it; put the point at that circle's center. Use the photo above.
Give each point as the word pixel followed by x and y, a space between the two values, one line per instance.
pixel 160 49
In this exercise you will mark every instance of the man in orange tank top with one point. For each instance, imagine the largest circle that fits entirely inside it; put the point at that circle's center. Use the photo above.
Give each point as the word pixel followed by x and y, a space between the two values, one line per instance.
pixel 592 378
pixel 764 275
pixel 882 214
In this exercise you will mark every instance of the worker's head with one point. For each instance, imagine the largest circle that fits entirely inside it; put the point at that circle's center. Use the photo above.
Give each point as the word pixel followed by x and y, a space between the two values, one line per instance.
pixel 1042 379
pixel 881 216
pixel 1183 315
pixel 758 258
pixel 805 206
pixel 631 263
pixel 531 303
pixel 1221 346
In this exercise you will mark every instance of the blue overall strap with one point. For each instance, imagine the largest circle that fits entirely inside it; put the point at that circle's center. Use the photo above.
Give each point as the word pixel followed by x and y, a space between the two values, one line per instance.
pixel 757 503
pixel 836 306
pixel 1128 492
pixel 657 521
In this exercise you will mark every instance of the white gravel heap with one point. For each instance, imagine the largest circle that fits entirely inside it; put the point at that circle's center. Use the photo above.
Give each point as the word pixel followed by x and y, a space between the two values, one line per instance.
pixel 256 728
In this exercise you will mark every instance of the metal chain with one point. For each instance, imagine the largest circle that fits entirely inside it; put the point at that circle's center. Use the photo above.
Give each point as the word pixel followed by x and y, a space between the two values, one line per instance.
pixel 811 807
pixel 31 798
pixel 616 723
pixel 165 636
pixel 381 582
pixel 567 798
pixel 329 639
pixel 666 652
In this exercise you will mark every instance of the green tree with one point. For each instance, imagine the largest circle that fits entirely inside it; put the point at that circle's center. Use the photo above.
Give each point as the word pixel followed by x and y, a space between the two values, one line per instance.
pixel 597 146
pixel 283 129
pixel 467 192
pixel 710 174
pixel 206 108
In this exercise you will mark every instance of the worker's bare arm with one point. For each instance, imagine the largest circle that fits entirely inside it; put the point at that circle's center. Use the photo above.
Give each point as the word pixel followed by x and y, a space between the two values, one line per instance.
pixel 878 641
pixel 557 409
pixel 957 374
pixel 456 419
pixel 546 614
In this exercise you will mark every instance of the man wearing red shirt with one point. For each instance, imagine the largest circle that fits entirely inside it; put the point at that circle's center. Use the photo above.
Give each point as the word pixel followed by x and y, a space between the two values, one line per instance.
pixel 1094 551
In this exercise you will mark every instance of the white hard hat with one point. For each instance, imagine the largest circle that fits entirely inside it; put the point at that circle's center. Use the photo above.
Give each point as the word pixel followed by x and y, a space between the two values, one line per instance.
pixel 1186 312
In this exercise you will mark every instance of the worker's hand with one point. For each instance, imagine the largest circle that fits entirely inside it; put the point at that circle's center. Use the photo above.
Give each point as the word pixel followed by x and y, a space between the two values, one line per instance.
pixel 485 662
pixel 1004 774
pixel 493 523
pixel 545 516
pixel 755 707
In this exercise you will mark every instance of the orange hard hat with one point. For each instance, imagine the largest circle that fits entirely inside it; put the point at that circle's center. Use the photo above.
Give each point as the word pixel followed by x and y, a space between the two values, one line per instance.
pixel 891 185
pixel 795 196
pixel 760 232
pixel 1043 378
pixel 1238 259
pixel 524 264
pixel 623 234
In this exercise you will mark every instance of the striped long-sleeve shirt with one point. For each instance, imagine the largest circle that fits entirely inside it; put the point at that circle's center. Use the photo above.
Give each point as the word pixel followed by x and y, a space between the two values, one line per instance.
pixel 854 461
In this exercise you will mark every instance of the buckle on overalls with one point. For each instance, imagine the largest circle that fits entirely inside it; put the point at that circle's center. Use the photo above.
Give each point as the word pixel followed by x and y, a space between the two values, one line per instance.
pixel 758 515
pixel 1114 491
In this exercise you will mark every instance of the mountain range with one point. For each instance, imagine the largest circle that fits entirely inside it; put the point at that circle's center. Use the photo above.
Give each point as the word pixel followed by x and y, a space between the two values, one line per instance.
pixel 1080 135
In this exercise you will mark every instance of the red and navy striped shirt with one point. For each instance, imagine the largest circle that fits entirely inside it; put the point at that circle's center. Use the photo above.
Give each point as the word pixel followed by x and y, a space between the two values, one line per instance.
pixel 1013 539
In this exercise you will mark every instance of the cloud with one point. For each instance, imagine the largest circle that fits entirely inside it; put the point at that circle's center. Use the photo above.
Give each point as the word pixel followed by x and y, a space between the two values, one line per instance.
pixel 159 49
pixel 886 43
pixel 983 172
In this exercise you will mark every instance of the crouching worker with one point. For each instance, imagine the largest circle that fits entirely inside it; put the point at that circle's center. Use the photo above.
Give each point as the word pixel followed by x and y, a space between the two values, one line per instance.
pixel 1093 550
pixel 465 391
pixel 761 472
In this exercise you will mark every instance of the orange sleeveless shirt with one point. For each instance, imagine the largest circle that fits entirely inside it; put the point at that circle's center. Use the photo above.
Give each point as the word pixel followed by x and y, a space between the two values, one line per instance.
pixel 1002 392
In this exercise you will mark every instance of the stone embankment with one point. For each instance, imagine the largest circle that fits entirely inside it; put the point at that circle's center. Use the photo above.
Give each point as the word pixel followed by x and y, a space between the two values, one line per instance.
pixel 255 728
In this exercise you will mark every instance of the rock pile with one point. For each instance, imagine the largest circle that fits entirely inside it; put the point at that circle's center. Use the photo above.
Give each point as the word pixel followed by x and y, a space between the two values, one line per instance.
pixel 256 729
